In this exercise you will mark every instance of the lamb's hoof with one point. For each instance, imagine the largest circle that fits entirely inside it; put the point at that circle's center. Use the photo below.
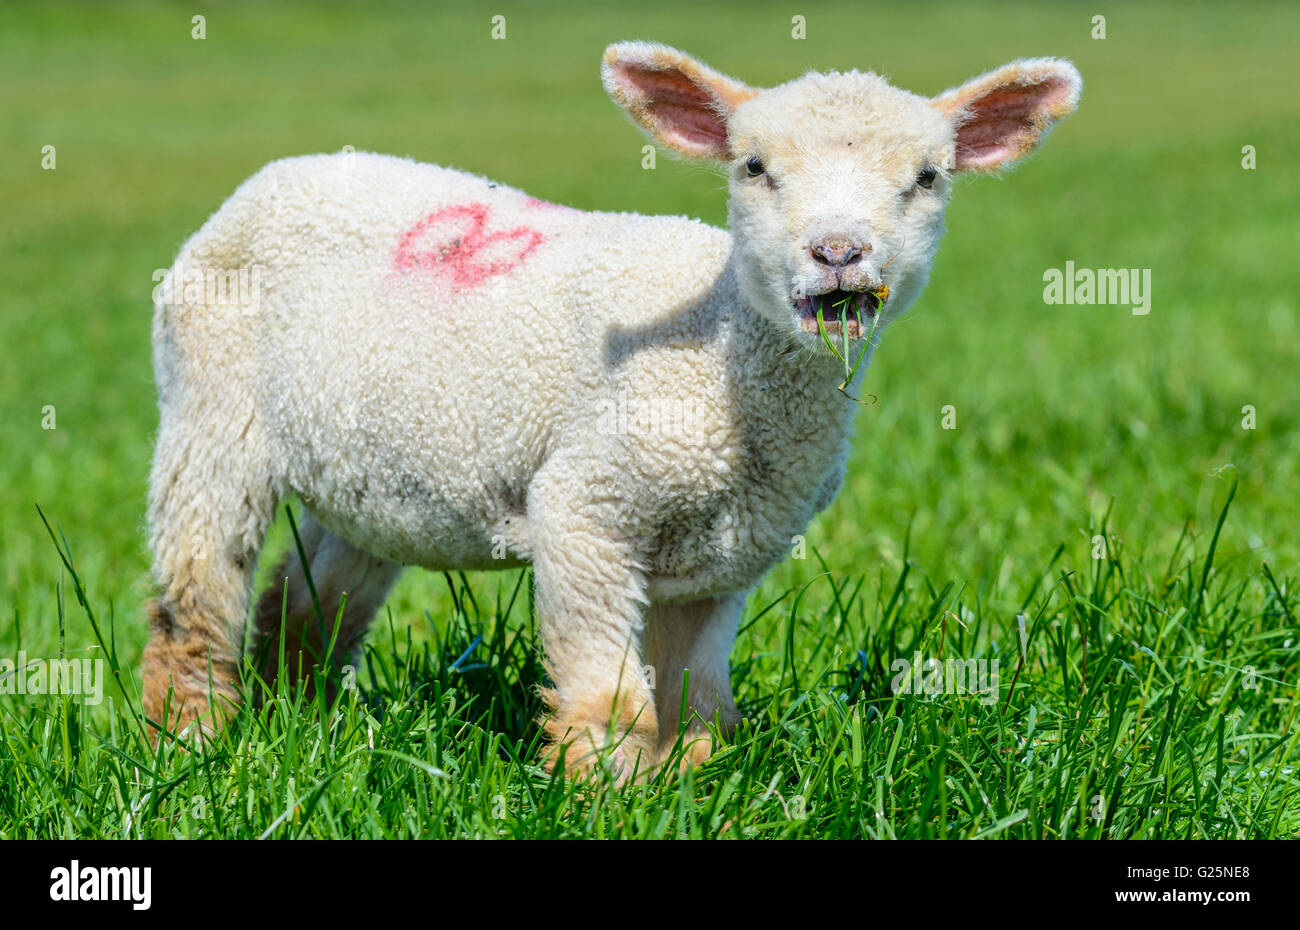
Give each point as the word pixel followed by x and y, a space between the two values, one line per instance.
pixel 592 748
pixel 187 716
pixel 698 744
pixel 195 721
pixel 621 760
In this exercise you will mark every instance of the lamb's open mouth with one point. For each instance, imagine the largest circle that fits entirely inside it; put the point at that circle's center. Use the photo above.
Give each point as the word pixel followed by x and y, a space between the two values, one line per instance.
pixel 855 309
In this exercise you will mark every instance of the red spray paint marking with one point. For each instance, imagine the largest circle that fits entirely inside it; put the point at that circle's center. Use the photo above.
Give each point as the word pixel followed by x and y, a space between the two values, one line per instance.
pixel 456 246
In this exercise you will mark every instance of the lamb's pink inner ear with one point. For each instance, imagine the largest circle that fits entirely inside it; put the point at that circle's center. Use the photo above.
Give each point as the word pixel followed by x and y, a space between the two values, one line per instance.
pixel 677 109
pixel 682 103
pixel 1005 122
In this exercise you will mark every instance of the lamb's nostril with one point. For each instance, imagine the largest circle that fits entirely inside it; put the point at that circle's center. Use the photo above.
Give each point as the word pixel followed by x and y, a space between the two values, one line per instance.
pixel 838 253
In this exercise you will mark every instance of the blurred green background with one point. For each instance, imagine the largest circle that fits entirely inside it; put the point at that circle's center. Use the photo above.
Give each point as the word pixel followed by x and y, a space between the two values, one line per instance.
pixel 1060 409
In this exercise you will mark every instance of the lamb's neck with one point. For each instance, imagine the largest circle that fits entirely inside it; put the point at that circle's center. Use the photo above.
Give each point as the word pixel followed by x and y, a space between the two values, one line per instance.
pixel 776 378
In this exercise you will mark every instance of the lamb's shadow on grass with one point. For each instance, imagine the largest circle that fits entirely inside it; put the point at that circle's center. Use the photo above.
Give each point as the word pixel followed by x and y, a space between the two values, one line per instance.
pixel 482 664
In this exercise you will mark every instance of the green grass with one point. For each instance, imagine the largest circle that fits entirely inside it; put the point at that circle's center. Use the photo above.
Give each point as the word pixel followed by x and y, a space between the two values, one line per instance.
pixel 1156 694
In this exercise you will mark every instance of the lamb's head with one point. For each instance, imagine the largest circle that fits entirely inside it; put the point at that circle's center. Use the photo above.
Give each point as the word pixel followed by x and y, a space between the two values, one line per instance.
pixel 838 181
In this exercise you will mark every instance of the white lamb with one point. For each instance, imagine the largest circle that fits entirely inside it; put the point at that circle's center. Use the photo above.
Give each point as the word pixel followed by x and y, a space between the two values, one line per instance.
pixel 454 375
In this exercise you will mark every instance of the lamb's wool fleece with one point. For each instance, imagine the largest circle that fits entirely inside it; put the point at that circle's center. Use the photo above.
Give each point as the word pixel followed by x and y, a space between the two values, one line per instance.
pixel 452 374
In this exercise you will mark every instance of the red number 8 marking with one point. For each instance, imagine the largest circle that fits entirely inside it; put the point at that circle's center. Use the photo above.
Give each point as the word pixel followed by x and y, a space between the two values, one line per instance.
pixel 452 242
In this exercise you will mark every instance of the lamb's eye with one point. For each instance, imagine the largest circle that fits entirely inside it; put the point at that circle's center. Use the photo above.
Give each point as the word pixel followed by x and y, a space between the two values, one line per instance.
pixel 926 178
pixel 754 167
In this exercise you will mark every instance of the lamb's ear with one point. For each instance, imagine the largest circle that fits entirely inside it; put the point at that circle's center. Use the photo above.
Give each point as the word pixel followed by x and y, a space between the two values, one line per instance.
pixel 682 103
pixel 1001 116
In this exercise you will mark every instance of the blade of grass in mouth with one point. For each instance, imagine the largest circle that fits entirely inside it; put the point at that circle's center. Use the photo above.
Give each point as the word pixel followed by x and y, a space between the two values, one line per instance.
pixel 843 307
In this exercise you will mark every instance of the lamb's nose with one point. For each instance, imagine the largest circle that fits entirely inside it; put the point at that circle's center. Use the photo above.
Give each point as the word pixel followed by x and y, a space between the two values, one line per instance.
pixel 838 252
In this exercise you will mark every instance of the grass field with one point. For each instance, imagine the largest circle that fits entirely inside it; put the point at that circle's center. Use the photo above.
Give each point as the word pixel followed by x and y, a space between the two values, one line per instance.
pixel 1150 693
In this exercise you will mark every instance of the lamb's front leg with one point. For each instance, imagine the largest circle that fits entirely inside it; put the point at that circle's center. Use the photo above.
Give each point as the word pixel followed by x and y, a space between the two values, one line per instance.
pixel 589 607
pixel 692 637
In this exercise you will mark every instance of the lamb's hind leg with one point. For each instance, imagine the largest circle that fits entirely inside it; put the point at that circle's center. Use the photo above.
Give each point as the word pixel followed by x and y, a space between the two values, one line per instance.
pixel 695 637
pixel 337 569
pixel 211 498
